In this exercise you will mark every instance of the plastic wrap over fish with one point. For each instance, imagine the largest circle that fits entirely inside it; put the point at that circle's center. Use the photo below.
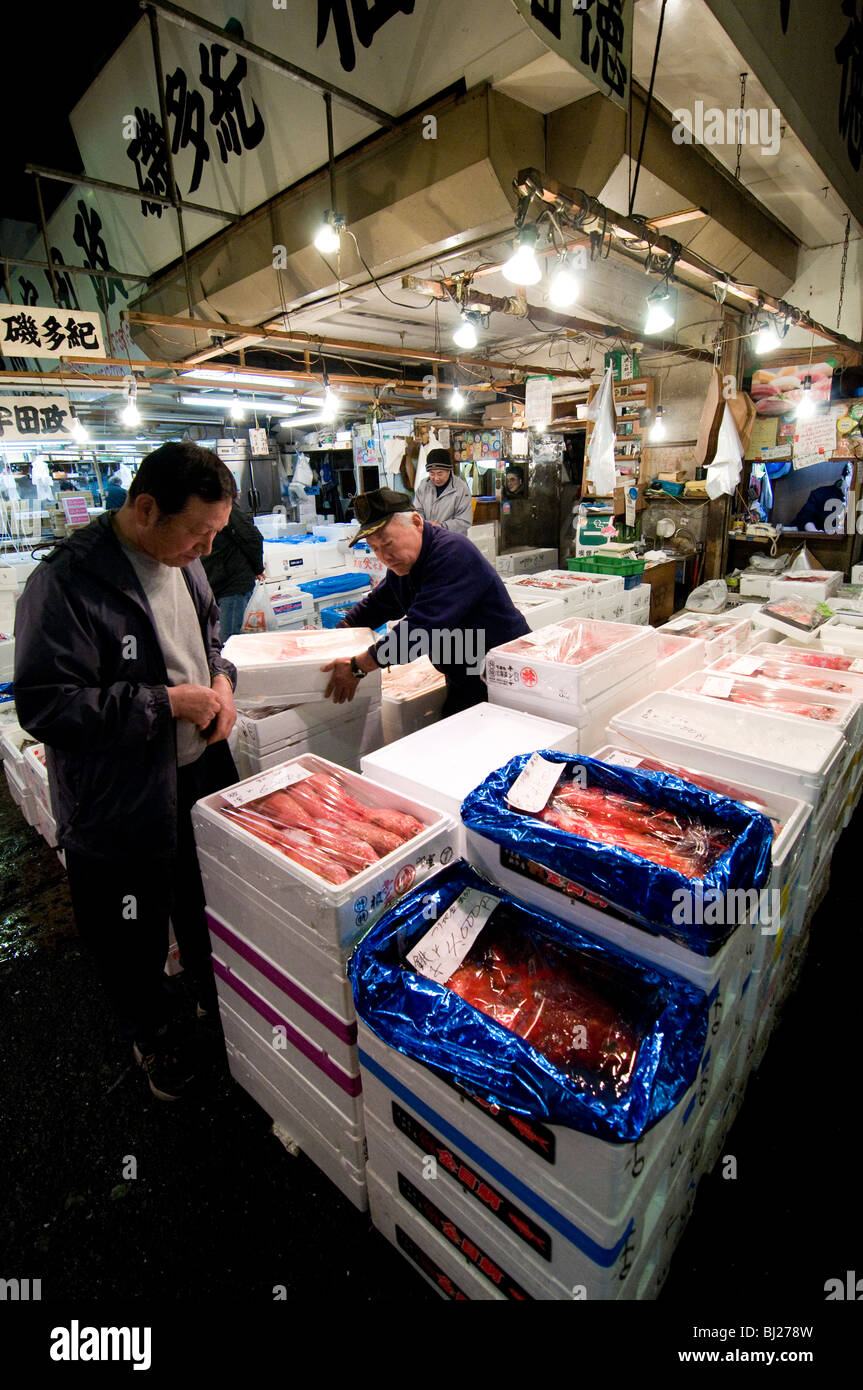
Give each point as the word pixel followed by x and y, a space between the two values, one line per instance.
pixel 619 1049
pixel 618 856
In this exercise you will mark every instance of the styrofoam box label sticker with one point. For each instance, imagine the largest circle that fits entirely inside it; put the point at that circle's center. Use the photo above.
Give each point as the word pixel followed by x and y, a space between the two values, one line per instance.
pixel 534 785
pixel 746 665
pixel 268 782
pixel 720 686
pixel 441 951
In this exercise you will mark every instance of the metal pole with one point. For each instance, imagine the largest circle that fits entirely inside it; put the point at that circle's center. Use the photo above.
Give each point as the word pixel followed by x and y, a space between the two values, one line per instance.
pixel 43 224
pixel 59 176
pixel 169 158
pixel 328 103
pixel 185 20
pixel 74 269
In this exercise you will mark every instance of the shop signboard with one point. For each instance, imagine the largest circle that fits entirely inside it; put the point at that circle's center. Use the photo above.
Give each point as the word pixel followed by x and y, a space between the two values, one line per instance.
pixel 34 419
pixel 35 330
pixel 593 36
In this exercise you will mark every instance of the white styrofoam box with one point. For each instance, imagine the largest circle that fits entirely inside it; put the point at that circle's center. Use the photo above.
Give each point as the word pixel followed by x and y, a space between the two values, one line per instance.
pixel 791 851
pixel 756 582
pixel 13 782
pixel 274 525
pixel 487 549
pixel 292 608
pixel 637 604
pixel 36 775
pixel 541 612
pixel 336 531
pixel 290 1059
pixel 838 711
pixel 525 560
pixel 344 742
pixel 342 1162
pixel 12 742
pixel 554 1159
pixel 720 976
pixel 613 608
pixel 8 717
pixel 677 656
pixel 720 632
pixel 366 562
pixel 276 932
pixel 406 714
pixel 47 825
pixel 264 728
pixel 815 585
pixel 285 560
pixel 528 664
pixel 7 611
pixel 736 743
pixel 486 531
pixel 330 1027
pixel 843 634
pixel 340 913
pixel 8 577
pixel 7 658
pixel 263 671
pixel 590 720
pixel 544 1229
pixel 767 662
pixel 441 764
pixel 21 794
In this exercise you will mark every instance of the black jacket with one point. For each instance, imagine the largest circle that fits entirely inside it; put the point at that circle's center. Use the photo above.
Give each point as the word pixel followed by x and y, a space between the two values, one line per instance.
pixel 237 557
pixel 90 681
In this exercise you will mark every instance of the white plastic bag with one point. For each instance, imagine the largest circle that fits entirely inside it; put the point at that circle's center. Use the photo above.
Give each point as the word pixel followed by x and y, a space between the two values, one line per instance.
pixel 259 615
pixel 723 474
pixel 600 450
pixel 710 597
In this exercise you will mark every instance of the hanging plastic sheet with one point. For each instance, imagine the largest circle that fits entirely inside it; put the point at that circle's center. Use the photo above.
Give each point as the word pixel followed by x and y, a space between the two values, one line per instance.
pixel 538 1018
pixel 723 474
pixel 600 449
pixel 639 842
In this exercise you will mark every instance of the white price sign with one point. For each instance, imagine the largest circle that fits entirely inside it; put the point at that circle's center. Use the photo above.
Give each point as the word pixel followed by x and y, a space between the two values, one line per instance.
pixel 534 785
pixel 720 686
pixel 268 782
pixel 747 665
pixel 441 951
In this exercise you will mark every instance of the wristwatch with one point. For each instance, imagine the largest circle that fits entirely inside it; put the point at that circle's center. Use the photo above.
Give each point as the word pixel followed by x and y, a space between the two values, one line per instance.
pixel 355 670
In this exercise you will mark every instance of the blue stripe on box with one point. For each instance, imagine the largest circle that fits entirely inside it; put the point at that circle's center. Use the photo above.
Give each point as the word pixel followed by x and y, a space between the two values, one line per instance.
pixel 601 1256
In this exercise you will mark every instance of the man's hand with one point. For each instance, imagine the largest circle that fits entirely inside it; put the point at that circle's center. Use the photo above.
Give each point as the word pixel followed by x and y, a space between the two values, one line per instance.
pixel 227 716
pixel 197 703
pixel 341 685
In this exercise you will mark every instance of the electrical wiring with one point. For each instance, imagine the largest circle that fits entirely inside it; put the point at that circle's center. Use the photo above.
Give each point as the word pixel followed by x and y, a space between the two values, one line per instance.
pixel 398 302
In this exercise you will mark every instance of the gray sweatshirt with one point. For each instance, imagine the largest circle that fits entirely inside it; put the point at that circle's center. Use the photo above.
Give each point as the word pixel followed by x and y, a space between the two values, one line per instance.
pixel 453 510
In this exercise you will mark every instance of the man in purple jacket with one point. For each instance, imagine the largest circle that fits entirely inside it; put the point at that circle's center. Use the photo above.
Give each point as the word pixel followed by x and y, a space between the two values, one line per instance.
pixel 452 603
pixel 118 669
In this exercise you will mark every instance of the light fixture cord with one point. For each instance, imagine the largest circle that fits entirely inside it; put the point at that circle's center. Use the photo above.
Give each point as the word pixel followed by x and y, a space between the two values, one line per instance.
pixel 842 273
pixel 647 107
pixel 741 117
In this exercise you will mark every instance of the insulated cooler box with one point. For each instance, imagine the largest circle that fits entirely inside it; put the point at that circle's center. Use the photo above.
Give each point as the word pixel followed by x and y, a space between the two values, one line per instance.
pixel 288 666
pixel 342 739
pixel 412 695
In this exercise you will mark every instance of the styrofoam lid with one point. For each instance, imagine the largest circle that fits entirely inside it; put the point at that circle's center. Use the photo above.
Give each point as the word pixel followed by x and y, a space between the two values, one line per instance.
pixel 308 644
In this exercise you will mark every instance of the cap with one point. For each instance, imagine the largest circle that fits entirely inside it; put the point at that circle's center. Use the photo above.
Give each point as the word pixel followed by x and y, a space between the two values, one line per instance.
pixel 374 509
pixel 438 458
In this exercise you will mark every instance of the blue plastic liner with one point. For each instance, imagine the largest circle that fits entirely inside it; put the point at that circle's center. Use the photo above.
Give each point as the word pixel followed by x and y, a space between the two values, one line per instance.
pixel 6 692
pixel 434 1026
pixel 335 584
pixel 331 617
pixel 632 886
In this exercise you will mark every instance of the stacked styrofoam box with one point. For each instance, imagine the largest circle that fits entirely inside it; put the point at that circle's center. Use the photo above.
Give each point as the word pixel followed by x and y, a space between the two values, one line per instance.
pixel 842 634
pixel 441 764
pixel 412 696
pixel 525 560
pixel 328 589
pixel 36 776
pixel 8 596
pixel 756 582
pixel 281 936
pixel 792 855
pixel 521 1209
pixel 361 557
pixel 485 539
pixel 275 526
pixel 815 585
pixel 7 657
pixel 541 612
pixel 286 561
pixel 12 744
pixel 519 676
pixel 340 733
pixel 265 673
pixel 637 604
pixel 579 592
pixel 721 632
pixel 677 656
pixel 293 609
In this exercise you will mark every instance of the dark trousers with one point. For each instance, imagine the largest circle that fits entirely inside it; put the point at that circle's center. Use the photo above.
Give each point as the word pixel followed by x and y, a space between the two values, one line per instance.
pixel 463 695
pixel 123 905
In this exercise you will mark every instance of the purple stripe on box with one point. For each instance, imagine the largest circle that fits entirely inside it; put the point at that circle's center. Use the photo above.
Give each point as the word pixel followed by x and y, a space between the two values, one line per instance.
pixel 352 1085
pixel 345 1032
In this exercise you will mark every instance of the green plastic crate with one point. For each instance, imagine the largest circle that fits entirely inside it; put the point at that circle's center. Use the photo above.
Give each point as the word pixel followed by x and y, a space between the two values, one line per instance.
pixel 618 564
pixel 585 564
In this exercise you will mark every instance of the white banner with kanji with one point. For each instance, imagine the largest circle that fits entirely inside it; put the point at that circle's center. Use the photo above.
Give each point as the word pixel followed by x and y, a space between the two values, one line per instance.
pixel 34 419
pixel 31 331
pixel 593 36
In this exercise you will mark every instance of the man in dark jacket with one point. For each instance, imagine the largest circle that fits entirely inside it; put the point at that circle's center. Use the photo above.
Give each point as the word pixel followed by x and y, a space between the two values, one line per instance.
pixel 233 565
pixel 118 670
pixel 453 604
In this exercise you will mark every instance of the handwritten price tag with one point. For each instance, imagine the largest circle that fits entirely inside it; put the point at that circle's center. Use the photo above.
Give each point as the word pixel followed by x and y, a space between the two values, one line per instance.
pixel 720 686
pixel 441 951
pixel 535 783
pixel 746 665
pixel 268 782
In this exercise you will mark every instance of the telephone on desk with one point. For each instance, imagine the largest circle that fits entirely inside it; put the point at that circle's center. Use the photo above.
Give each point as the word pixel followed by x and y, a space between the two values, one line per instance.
pixel 761 531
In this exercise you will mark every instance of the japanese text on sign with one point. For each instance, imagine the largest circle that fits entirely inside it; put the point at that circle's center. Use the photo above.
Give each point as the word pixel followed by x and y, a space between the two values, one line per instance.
pixel 443 948
pixel 31 418
pixel 35 332
pixel 593 36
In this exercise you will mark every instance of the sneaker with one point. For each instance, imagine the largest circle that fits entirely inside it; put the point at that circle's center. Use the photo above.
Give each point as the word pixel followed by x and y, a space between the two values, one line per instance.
pixel 168 1072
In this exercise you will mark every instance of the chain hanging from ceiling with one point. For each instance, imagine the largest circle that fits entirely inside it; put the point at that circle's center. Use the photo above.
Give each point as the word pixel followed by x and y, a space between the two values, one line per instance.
pixel 842 274
pixel 741 121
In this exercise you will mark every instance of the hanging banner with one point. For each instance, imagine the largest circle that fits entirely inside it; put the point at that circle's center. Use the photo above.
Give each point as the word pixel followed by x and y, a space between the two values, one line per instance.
pixel 34 331
pixel 537 402
pixel 593 36
pixel 34 419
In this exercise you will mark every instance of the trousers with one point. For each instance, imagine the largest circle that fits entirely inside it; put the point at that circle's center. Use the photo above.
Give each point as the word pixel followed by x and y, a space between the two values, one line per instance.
pixel 232 610
pixel 123 907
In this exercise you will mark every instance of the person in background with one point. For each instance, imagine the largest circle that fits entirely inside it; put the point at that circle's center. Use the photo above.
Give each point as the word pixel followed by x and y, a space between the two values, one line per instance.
pixel 513 480
pixel 114 492
pixel 443 499
pixel 824 508
pixel 118 670
pixel 441 587
pixel 233 565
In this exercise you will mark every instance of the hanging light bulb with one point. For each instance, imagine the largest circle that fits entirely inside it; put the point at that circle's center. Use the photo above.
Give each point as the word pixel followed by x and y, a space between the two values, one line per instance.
pixel 131 415
pixel 79 433
pixel 465 336
pixel 564 287
pixel 766 338
pixel 457 400
pixel 330 407
pixel 806 408
pixel 658 305
pixel 657 429
pixel 236 411
pixel 522 268
pixel 328 236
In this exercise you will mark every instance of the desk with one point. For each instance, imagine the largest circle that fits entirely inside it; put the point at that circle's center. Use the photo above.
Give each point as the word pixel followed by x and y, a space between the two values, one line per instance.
pixel 662 580
pixel 832 552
